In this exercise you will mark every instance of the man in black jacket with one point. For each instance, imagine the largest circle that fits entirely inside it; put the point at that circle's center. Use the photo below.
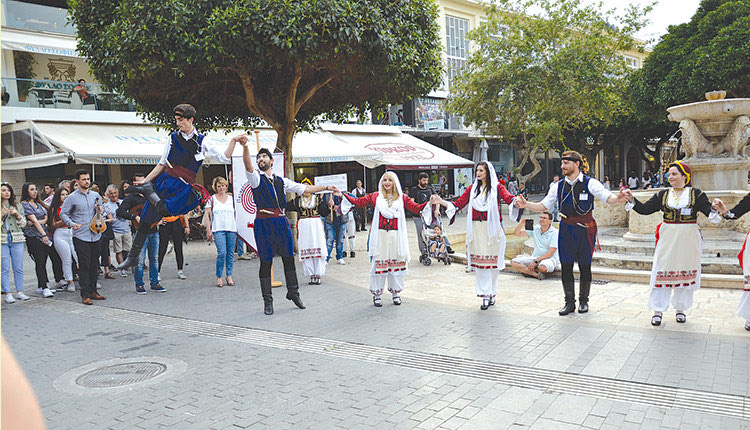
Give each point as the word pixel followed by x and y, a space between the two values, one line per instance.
pixel 420 194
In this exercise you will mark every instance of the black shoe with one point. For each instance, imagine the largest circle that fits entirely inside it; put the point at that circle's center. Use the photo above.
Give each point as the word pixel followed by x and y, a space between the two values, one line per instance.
pixel 485 304
pixel 352 254
pixel 268 308
pixel 344 254
pixel 583 308
pixel 568 309
pixel 265 288
pixel 450 250
pixel 492 301
pixel 295 299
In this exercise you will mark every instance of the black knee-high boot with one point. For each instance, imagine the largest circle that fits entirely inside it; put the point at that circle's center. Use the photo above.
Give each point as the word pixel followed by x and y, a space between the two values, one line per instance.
pixel 135 250
pixel 265 288
pixel 585 288
pixel 148 192
pixel 292 288
pixel 569 287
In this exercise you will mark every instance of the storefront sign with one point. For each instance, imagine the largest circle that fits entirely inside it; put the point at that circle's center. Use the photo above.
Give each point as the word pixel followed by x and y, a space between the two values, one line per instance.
pixel 402 151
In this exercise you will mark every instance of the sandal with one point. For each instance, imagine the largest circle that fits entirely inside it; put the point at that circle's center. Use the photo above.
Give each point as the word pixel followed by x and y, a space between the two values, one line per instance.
pixel 230 282
pixel 109 275
pixel 656 320
pixel 680 317
pixel 377 301
pixel 397 300
pixel 219 283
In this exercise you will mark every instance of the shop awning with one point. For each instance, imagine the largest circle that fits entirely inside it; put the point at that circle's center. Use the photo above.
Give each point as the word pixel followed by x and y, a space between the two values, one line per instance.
pixel 400 151
pixel 142 144
pixel 25 147
pixel 49 44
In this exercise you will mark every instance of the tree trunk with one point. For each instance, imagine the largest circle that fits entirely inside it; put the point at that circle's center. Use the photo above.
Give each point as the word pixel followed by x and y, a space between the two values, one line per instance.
pixel 285 135
pixel 529 156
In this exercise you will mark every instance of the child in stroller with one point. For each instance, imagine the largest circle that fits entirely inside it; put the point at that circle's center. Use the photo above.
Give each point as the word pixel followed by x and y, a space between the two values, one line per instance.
pixel 433 234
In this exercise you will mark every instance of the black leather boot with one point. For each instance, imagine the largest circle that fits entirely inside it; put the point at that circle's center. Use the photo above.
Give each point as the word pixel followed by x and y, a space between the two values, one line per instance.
pixel 585 288
pixel 292 288
pixel 148 192
pixel 135 250
pixel 265 289
pixel 569 287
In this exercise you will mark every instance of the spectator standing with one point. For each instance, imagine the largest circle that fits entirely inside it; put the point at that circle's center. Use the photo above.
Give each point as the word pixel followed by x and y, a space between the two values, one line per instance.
pixel 221 227
pixel 62 237
pixel 606 183
pixel 13 220
pixel 522 191
pixel 107 237
pixel 335 227
pixel 421 194
pixel 646 180
pixel 38 242
pixel 77 212
pixel 556 208
pixel 49 192
pixel 360 214
pixel 633 181
pixel 122 239
pixel 175 228
pixel 544 259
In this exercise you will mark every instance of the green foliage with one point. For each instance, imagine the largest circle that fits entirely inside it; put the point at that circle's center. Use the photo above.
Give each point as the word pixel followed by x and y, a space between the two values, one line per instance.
pixel 535 76
pixel 711 52
pixel 238 61
pixel 24 64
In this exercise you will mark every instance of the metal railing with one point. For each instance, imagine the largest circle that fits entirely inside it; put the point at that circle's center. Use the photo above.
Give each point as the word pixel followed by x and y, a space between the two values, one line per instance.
pixel 42 93
pixel 35 17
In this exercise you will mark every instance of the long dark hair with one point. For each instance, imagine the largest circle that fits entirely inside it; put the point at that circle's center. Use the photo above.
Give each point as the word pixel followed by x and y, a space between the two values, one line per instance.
pixel 484 186
pixel 12 199
pixel 54 206
pixel 25 197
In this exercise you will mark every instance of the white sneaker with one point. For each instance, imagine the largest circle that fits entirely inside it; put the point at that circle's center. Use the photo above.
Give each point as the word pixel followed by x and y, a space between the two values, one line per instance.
pixel 9 298
pixel 170 247
pixel 47 292
pixel 62 284
pixel 22 296
pixel 123 273
pixel 181 275
pixel 71 288
pixel 341 261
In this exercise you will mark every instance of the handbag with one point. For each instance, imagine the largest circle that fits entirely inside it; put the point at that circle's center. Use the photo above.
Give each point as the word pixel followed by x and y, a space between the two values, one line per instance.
pixel 109 233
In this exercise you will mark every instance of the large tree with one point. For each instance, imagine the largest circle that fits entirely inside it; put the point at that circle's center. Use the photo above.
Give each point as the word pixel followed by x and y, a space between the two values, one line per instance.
pixel 543 69
pixel 285 62
pixel 710 52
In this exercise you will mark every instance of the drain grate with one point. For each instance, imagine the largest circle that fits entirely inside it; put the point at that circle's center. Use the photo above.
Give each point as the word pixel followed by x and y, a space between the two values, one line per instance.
pixel 730 405
pixel 120 375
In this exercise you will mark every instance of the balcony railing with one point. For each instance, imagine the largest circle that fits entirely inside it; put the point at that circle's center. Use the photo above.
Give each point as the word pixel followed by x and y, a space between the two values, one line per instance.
pixel 34 17
pixel 40 93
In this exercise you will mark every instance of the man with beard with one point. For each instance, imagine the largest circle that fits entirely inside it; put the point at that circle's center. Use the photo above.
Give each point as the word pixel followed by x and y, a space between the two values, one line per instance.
pixel 577 236
pixel 273 235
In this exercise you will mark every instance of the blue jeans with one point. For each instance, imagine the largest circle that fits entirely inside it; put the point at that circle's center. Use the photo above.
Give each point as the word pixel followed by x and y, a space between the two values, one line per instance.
pixel 152 245
pixel 335 232
pixel 12 253
pixel 225 243
pixel 240 247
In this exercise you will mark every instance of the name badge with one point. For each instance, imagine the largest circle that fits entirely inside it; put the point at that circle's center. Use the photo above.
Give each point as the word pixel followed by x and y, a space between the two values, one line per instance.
pixel 584 196
pixel 200 157
pixel 686 211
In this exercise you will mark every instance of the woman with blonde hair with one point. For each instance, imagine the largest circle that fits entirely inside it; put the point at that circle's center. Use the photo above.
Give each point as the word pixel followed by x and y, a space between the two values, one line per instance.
pixel 221 227
pixel 388 245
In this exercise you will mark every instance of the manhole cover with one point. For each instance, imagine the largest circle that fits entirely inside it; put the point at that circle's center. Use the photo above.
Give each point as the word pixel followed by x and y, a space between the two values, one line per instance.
pixel 119 375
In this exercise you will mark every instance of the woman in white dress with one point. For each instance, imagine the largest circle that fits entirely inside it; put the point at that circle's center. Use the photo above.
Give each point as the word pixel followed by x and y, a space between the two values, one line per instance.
pixel 311 236
pixel 676 271
pixel 388 246
pixel 485 236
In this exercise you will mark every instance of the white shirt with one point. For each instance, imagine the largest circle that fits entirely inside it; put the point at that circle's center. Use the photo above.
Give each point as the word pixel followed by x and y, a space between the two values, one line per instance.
pixel 595 187
pixel 633 183
pixel 222 214
pixel 208 149
pixel 289 185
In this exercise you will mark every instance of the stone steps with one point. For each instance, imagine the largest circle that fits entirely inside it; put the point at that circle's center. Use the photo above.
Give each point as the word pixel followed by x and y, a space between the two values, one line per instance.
pixel 709 264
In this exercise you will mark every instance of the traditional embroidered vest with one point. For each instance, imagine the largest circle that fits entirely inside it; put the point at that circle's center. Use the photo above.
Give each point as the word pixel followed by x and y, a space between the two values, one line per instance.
pixel 182 152
pixel 570 201
pixel 270 193
pixel 308 212
pixel 675 216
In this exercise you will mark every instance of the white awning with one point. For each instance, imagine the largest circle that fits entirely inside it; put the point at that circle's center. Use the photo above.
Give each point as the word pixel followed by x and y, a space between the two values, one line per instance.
pixel 400 151
pixel 25 147
pixel 143 144
pixel 35 43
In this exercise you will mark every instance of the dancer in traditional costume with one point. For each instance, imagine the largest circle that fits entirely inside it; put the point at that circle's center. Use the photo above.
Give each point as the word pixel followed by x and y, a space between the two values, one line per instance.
pixel 174 191
pixel 311 236
pixel 273 235
pixel 388 246
pixel 485 235
pixel 743 309
pixel 577 237
pixel 676 271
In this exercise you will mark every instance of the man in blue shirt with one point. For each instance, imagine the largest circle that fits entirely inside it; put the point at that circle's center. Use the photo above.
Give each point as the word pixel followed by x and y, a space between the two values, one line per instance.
pixel 544 259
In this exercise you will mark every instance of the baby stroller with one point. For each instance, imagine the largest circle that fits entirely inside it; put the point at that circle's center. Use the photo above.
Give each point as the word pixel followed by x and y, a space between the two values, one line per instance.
pixel 433 238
